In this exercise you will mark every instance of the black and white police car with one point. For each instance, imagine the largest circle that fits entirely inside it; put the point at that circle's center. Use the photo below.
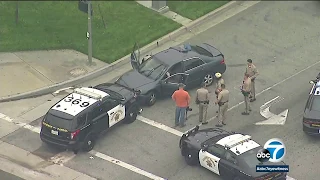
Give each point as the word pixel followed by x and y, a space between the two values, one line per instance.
pixel 232 156
pixel 311 115
pixel 77 120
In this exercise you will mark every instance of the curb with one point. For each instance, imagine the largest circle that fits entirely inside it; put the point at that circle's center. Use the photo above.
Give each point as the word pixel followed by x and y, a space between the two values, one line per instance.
pixel 126 59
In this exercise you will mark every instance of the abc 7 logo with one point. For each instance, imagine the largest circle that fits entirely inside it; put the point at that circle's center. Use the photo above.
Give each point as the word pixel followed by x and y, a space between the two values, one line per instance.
pixel 274 151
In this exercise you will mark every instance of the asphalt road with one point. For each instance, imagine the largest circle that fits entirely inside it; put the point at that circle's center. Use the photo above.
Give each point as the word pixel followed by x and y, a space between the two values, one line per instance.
pixel 282 38
pixel 7 176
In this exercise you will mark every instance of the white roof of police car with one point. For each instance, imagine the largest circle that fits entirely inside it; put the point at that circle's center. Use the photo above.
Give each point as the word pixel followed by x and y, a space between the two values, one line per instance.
pixel 242 148
pixel 74 109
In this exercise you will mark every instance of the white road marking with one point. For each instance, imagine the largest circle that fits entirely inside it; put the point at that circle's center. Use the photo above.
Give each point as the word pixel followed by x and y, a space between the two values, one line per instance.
pixel 125 165
pixel 23 125
pixel 159 125
pixel 272 119
pixel 66 156
pixel 171 130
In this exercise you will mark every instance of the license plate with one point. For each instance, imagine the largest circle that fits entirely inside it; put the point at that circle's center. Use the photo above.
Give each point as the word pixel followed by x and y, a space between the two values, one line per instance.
pixel 54 132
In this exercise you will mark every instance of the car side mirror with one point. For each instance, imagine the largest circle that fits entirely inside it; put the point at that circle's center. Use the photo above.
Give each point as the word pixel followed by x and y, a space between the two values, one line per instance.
pixel 311 82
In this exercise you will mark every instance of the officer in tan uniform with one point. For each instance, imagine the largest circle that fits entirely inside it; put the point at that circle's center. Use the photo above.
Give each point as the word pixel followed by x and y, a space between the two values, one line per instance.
pixel 222 101
pixel 202 99
pixel 219 82
pixel 246 90
pixel 253 73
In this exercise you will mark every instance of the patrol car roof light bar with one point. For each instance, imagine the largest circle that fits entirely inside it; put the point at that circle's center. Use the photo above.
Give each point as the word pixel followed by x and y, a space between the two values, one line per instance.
pixel 88 94
pixel 238 141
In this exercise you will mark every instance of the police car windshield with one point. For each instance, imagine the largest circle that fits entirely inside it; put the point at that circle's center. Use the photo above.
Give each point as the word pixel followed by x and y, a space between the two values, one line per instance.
pixel 152 68
pixel 249 158
pixel 315 106
pixel 58 122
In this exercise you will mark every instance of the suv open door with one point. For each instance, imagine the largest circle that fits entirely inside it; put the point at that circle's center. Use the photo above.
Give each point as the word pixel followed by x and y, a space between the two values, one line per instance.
pixel 170 84
pixel 135 57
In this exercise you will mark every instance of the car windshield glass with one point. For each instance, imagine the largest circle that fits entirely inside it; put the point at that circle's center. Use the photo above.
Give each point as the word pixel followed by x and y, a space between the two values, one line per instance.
pixel 201 51
pixel 59 122
pixel 249 158
pixel 315 106
pixel 152 68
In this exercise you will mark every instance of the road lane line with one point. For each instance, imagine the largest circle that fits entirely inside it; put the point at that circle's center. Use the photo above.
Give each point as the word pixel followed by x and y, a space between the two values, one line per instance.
pixel 170 130
pixel 65 156
pixel 125 165
pixel 159 125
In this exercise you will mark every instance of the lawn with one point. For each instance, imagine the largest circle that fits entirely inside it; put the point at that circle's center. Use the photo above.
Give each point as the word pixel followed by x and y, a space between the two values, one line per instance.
pixel 194 9
pixel 45 25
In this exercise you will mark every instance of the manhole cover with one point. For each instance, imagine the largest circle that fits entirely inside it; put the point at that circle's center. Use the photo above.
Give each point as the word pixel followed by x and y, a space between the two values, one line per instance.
pixel 78 72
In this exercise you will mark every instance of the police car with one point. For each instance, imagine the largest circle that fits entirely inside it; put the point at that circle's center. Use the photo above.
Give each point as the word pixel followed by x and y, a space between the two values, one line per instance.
pixel 76 121
pixel 232 156
pixel 311 115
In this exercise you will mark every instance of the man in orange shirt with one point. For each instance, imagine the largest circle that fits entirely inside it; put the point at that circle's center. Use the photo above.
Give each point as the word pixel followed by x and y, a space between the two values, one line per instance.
pixel 182 99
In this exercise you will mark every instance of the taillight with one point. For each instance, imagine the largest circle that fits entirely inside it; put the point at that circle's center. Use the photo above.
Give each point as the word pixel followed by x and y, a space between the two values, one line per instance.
pixel 222 62
pixel 74 134
pixel 307 121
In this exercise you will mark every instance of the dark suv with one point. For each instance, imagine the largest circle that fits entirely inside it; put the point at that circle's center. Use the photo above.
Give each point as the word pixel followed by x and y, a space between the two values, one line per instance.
pixel 311 116
pixel 76 121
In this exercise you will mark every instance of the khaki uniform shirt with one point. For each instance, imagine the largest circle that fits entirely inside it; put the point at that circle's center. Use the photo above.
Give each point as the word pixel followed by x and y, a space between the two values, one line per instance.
pixel 202 94
pixel 218 83
pixel 252 71
pixel 223 96
pixel 247 85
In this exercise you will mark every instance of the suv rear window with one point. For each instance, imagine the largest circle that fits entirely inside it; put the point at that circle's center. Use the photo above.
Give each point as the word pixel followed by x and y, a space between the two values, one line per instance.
pixel 59 122
pixel 201 51
pixel 315 106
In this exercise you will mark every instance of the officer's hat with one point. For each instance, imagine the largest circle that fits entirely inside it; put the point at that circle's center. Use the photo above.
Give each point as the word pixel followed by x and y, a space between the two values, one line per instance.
pixel 218 75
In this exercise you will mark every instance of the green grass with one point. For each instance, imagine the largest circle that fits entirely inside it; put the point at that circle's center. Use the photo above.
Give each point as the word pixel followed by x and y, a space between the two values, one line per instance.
pixel 194 9
pixel 60 25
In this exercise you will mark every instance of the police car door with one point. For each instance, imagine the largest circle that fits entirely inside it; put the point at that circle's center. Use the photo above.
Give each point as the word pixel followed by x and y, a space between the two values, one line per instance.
pixel 210 158
pixel 116 113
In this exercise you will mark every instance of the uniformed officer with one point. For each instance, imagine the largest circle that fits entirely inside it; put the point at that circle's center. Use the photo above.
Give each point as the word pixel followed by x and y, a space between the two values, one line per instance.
pixel 219 82
pixel 222 101
pixel 246 90
pixel 253 73
pixel 202 99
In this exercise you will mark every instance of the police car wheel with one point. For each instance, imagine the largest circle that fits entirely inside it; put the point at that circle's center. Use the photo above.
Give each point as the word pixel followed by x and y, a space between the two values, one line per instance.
pixel 152 98
pixel 88 144
pixel 190 158
pixel 132 114
pixel 208 79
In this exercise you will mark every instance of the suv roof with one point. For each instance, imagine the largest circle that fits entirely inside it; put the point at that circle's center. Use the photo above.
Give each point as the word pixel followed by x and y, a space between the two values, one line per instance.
pixel 79 100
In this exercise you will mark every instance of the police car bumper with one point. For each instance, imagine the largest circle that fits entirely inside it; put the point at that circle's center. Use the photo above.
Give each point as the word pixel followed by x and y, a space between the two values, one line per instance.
pixel 73 145
pixel 314 131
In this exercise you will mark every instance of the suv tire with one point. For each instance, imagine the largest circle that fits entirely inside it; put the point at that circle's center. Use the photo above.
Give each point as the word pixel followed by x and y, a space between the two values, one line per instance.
pixel 131 114
pixel 88 143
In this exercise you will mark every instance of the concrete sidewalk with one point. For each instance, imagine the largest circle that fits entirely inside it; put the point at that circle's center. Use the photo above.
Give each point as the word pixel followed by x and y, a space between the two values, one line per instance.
pixel 25 165
pixel 25 71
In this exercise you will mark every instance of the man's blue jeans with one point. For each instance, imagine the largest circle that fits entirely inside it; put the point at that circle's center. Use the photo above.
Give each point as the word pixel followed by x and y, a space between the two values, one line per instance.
pixel 180 115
